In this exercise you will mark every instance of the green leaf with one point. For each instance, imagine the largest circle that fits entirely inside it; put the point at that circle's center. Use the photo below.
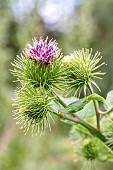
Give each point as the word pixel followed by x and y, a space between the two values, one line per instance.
pixel 57 105
pixel 109 100
pixel 67 100
pixel 95 96
pixel 81 103
pixel 75 106
pixel 87 111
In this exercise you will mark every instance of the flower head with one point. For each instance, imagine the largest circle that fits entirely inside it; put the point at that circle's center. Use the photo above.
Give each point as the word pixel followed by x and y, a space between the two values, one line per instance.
pixel 42 51
pixel 79 70
pixel 32 109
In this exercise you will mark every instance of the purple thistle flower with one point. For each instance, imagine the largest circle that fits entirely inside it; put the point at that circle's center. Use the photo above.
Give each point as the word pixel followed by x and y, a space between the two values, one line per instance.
pixel 42 51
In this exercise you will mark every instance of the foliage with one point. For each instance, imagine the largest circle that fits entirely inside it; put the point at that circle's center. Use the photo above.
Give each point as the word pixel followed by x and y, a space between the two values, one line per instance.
pixel 38 94
pixel 89 27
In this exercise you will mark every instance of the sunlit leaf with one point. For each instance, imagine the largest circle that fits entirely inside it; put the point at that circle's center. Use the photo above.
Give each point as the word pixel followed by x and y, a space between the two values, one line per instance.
pixel 81 103
pixel 109 100
pixel 87 111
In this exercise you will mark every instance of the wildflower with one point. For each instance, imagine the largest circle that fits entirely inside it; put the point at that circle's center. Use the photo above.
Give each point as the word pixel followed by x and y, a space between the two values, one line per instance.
pixel 44 71
pixel 42 51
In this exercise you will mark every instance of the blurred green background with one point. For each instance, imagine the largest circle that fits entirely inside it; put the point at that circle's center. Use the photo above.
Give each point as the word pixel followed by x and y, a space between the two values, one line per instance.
pixel 75 24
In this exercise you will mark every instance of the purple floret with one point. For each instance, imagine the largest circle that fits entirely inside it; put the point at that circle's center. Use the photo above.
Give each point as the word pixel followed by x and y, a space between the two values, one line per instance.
pixel 42 51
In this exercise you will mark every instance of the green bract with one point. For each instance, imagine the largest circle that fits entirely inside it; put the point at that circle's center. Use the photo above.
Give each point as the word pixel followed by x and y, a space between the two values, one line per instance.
pixel 32 108
pixel 36 73
pixel 80 69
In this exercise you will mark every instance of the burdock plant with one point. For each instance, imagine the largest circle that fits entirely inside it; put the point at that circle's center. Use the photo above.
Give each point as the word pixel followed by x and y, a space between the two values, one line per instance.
pixel 51 84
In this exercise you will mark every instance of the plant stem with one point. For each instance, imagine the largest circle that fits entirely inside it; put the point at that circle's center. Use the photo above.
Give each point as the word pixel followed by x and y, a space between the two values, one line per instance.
pixel 105 112
pixel 59 99
pixel 77 120
pixel 91 129
pixel 96 107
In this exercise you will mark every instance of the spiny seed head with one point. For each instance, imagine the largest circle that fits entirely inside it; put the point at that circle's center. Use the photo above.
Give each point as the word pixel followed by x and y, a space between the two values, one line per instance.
pixel 42 50
pixel 32 108
pixel 79 69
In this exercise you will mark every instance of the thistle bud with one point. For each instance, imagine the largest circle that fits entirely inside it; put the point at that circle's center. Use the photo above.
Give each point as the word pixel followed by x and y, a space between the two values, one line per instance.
pixel 79 70
pixel 32 109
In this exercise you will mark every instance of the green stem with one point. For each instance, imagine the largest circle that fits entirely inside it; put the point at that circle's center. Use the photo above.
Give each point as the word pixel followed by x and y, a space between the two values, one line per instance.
pixel 77 120
pixel 105 112
pixel 91 129
pixel 96 108
pixel 59 99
